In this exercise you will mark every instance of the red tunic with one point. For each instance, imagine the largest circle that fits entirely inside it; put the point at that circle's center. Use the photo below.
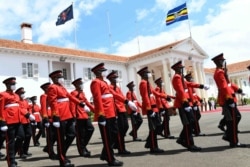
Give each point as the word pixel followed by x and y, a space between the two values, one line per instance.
pixel 103 98
pixel 132 97
pixel 24 106
pixel 45 109
pixel 58 98
pixel 181 93
pixel 119 105
pixel 9 108
pixel 78 111
pixel 224 91
pixel 148 95
pixel 162 102
pixel 36 111
pixel 191 92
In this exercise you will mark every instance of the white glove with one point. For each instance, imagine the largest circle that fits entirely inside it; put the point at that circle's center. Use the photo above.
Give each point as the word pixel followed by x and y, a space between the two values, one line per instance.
pixel 232 105
pixel 32 117
pixel 103 123
pixel 195 108
pixel 188 109
pixel 152 115
pixel 4 128
pixel 163 112
pixel 86 108
pixel 56 124
pixel 132 105
pixel 47 124
pixel 135 113
pixel 206 87
pixel 33 123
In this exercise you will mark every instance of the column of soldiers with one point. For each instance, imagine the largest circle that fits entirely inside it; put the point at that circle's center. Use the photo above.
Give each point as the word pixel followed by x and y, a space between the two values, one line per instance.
pixel 64 115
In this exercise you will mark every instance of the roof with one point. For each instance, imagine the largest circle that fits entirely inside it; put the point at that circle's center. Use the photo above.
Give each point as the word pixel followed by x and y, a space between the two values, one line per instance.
pixel 232 68
pixel 73 52
pixel 58 50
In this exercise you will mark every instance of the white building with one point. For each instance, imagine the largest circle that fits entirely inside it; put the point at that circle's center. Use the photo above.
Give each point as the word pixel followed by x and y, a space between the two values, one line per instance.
pixel 31 63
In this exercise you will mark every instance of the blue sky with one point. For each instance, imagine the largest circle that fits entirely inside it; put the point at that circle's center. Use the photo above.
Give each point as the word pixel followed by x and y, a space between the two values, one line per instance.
pixel 127 27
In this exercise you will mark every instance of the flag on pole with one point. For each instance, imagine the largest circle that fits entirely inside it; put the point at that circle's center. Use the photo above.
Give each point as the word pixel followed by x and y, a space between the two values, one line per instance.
pixel 179 13
pixel 65 15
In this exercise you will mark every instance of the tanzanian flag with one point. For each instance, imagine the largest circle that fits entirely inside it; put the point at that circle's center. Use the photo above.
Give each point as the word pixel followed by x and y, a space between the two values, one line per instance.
pixel 177 14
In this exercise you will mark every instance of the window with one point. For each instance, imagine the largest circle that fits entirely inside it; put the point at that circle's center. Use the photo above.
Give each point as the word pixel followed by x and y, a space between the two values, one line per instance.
pixel 88 75
pixel 30 69
pixel 64 71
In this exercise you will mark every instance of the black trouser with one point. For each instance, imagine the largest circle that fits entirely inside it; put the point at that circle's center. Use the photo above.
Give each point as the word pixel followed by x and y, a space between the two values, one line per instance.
pixel 136 121
pixel 14 138
pixel 51 135
pixel 238 118
pixel 165 123
pixel 2 138
pixel 108 134
pixel 65 136
pixel 123 126
pixel 151 141
pixel 231 124
pixel 27 137
pixel 84 132
pixel 195 125
pixel 186 135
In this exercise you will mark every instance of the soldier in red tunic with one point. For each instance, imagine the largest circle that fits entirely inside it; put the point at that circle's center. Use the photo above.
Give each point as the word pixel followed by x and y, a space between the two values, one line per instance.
pixel 185 109
pixel 136 118
pixel 84 126
pixel 24 105
pixel 35 109
pixel 163 106
pixel 121 112
pixel 227 101
pixel 194 100
pixel 105 114
pixel 150 109
pixel 10 120
pixel 59 101
pixel 47 123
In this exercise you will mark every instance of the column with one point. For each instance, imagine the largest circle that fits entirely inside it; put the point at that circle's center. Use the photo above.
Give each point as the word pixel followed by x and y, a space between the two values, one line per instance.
pixel 166 78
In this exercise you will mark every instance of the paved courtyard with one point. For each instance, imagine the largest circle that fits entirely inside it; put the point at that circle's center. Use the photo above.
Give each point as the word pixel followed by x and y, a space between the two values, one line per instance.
pixel 215 152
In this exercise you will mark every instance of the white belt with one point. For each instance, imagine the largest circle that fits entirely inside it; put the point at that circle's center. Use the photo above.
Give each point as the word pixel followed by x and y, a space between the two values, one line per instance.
pixel 48 108
pixel 11 105
pixel 194 94
pixel 151 95
pixel 62 100
pixel 186 90
pixel 36 113
pixel 106 96
pixel 135 101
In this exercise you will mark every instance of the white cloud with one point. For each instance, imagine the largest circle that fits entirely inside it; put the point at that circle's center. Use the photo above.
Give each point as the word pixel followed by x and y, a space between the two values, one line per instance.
pixel 89 5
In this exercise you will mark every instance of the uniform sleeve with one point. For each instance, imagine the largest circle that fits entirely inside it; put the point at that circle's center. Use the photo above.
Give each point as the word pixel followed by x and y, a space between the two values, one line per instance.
pixel 97 98
pixel 2 113
pixel 52 98
pixel 43 103
pixel 223 85
pixel 144 94
pixel 72 105
pixel 178 86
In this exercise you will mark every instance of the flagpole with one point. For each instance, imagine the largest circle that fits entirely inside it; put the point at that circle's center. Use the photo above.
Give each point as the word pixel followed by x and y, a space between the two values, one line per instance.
pixel 109 31
pixel 74 28
pixel 138 41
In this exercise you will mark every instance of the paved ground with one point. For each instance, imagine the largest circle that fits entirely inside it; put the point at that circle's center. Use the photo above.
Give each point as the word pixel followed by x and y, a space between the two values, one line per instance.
pixel 215 152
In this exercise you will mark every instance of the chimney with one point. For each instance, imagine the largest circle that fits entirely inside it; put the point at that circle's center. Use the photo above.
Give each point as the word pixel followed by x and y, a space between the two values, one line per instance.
pixel 26 29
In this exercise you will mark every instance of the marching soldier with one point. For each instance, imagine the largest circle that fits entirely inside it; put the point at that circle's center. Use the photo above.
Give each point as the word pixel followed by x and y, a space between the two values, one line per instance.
pixel 136 118
pixel 47 122
pixel 149 107
pixel 84 126
pixel 38 124
pixel 10 119
pixel 163 106
pixel 194 99
pixel 103 98
pixel 122 119
pixel 226 100
pixel 23 104
pixel 185 110
pixel 58 99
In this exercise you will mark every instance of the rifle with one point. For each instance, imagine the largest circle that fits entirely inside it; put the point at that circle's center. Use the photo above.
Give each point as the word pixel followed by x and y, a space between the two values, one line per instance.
pixel 225 73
